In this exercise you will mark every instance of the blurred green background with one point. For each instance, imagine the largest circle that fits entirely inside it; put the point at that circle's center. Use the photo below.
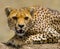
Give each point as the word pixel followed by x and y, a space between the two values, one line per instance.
pixel 5 33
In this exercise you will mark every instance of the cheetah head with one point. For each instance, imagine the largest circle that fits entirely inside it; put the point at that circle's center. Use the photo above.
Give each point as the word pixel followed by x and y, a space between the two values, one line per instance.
pixel 19 20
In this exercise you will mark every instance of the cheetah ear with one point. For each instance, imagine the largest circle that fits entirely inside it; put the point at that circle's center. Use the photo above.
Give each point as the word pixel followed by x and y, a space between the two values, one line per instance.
pixel 8 10
pixel 32 11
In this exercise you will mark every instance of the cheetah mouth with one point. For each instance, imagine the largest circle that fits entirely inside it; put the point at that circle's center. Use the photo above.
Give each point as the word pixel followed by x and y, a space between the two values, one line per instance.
pixel 20 32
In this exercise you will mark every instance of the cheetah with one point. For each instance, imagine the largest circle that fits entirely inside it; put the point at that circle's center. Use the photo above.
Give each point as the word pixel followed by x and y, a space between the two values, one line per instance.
pixel 33 25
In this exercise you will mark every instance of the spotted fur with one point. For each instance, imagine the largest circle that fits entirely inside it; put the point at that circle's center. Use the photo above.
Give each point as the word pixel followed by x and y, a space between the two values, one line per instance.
pixel 47 23
pixel 41 26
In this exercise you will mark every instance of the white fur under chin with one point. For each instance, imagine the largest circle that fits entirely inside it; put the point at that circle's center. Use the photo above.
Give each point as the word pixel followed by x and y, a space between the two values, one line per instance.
pixel 20 34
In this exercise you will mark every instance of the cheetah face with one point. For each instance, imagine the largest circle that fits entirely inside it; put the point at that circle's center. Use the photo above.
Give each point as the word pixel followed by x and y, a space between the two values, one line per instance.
pixel 19 20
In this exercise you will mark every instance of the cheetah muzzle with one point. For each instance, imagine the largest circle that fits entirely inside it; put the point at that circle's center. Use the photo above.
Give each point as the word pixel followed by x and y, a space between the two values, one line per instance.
pixel 20 32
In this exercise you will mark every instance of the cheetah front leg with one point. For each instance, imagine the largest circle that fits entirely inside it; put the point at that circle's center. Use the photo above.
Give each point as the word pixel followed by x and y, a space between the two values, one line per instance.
pixel 12 44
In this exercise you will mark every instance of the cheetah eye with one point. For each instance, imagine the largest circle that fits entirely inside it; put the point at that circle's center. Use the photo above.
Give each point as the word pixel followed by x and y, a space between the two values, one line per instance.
pixel 15 18
pixel 26 18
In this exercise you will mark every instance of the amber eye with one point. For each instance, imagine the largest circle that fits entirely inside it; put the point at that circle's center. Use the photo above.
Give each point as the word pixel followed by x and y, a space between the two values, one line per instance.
pixel 26 18
pixel 15 18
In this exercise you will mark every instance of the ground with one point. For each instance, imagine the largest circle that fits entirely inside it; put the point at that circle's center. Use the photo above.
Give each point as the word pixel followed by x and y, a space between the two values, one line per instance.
pixel 36 46
pixel 42 46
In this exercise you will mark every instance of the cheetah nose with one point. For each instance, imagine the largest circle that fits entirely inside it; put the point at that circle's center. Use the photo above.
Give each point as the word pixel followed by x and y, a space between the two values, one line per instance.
pixel 21 26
